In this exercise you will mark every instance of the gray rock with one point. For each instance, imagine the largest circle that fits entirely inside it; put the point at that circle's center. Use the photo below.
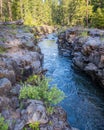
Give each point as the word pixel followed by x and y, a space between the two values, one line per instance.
pixel 91 67
pixel 87 51
pixel 95 32
pixel 19 125
pixel 94 58
pixel 36 112
pixel 15 102
pixel 15 90
pixel 5 86
pixel 93 42
pixel 78 61
pixel 36 66
pixel 10 74
pixel 4 102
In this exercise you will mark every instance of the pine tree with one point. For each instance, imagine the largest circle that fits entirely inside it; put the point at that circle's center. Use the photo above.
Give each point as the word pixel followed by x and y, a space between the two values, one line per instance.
pixel 98 18
pixel 57 12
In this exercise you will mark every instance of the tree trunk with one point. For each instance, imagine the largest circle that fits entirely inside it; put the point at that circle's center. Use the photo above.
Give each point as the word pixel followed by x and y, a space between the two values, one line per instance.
pixel 10 11
pixel 21 9
pixel 87 13
pixel 1 10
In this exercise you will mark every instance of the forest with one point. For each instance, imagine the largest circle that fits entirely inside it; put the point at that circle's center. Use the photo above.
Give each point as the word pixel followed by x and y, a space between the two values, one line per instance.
pixel 88 13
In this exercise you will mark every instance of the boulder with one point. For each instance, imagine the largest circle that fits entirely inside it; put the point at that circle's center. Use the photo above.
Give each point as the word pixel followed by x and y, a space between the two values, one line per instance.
pixel 20 65
pixel 19 125
pixel 35 112
pixel 95 32
pixel 4 102
pixel 94 57
pixel 90 45
pixel 36 66
pixel 5 86
pixel 9 74
pixel 58 120
pixel 15 90
pixel 78 62
pixel 91 67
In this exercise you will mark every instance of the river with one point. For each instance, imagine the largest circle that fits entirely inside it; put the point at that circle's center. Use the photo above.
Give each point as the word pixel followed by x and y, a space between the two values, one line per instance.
pixel 84 102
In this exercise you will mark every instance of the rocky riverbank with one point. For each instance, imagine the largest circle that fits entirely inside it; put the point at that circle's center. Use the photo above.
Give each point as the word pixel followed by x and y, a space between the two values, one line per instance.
pixel 86 46
pixel 20 57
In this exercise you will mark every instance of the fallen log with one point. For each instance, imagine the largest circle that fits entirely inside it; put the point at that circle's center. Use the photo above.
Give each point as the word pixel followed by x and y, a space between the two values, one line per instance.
pixel 18 22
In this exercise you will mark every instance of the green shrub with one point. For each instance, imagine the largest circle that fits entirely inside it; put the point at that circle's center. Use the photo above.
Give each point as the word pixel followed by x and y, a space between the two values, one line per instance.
pixel 50 110
pixel 50 96
pixel 29 91
pixel 34 80
pixel 3 124
pixel 34 126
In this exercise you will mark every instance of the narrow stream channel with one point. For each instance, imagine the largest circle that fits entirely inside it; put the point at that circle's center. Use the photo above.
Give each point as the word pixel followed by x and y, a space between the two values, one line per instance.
pixel 84 103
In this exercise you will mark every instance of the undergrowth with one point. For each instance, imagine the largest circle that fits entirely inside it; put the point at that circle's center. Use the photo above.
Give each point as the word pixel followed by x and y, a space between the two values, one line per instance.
pixel 3 124
pixel 37 88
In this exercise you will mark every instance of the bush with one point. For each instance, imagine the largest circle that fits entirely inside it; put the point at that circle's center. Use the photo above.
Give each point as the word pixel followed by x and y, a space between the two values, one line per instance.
pixel 50 96
pixel 3 124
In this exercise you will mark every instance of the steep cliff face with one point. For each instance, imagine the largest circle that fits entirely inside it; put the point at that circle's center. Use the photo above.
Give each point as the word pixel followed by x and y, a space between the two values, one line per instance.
pixel 87 51
pixel 20 57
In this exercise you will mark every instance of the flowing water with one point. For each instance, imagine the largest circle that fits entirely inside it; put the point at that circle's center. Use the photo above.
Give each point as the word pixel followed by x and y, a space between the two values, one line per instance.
pixel 84 102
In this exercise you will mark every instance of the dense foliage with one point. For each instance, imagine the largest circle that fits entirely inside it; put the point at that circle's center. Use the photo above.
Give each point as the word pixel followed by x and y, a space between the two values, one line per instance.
pixel 54 12
pixel 37 88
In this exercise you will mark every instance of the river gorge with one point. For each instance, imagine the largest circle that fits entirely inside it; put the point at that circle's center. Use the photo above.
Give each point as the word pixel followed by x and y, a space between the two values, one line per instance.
pixel 23 53
pixel 84 102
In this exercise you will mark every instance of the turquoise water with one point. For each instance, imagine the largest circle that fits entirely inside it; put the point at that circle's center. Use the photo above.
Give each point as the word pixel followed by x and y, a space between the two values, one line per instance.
pixel 84 103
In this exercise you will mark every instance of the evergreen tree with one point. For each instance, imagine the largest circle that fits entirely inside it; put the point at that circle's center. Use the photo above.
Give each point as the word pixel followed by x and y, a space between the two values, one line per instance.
pixel 98 18
pixel 97 4
pixel 57 12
